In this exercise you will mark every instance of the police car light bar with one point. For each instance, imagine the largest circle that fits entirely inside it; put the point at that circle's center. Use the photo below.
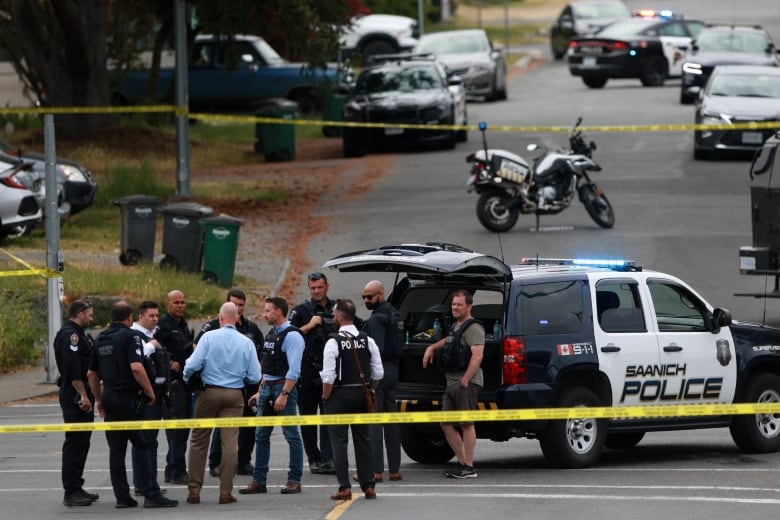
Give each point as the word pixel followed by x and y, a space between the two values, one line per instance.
pixel 607 263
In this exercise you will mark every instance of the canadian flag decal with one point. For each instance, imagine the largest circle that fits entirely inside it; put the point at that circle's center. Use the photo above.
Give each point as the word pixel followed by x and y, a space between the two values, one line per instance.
pixel 565 349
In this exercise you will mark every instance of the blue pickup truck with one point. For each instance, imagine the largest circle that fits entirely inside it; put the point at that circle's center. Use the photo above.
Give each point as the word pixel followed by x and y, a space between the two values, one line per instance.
pixel 232 76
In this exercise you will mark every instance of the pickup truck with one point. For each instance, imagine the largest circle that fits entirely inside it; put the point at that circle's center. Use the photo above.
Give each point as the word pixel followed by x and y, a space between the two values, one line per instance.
pixel 217 83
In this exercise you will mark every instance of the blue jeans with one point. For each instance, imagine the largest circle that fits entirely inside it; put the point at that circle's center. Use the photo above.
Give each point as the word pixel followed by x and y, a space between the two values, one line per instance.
pixel 291 434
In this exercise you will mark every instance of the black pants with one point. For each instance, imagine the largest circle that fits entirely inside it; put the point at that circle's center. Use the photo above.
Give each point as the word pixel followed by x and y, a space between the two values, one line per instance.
pixel 350 400
pixel 309 402
pixel 151 413
pixel 121 406
pixel 76 445
pixel 246 436
pixel 391 433
pixel 176 460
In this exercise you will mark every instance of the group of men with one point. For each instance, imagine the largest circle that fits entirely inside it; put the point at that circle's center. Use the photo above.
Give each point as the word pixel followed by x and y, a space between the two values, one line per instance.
pixel 311 363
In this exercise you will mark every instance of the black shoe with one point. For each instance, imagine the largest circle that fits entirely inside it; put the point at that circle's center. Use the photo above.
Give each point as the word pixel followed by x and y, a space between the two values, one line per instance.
pixel 139 493
pixel 214 472
pixel 92 496
pixel 314 467
pixel 160 501
pixel 327 468
pixel 181 480
pixel 77 500
pixel 245 469
pixel 167 478
pixel 126 503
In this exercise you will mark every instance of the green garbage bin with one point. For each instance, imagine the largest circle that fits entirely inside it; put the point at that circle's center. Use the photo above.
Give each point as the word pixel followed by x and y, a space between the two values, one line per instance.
pixel 220 245
pixel 333 111
pixel 183 236
pixel 138 227
pixel 276 141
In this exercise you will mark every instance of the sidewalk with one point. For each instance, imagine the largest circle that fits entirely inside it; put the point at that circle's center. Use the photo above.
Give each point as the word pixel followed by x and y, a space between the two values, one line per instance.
pixel 27 383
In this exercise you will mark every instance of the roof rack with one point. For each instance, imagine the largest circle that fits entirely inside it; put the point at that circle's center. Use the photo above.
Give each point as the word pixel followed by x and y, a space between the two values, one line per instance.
pixel 381 58
pixel 606 263
pixel 734 26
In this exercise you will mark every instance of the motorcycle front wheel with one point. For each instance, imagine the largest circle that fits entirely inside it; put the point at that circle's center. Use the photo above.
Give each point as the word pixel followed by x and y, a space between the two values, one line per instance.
pixel 597 205
pixel 493 213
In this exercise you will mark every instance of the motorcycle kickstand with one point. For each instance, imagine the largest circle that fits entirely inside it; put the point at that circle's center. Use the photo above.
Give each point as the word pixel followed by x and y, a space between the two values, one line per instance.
pixel 537 222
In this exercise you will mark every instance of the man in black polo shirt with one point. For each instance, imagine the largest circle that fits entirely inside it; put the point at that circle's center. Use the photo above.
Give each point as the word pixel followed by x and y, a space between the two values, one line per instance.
pixel 118 363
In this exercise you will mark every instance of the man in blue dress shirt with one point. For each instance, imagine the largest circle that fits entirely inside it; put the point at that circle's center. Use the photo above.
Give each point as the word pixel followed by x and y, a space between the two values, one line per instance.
pixel 226 360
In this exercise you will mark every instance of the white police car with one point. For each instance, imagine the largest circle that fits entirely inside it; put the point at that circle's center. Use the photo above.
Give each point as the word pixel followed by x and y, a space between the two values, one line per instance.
pixel 577 333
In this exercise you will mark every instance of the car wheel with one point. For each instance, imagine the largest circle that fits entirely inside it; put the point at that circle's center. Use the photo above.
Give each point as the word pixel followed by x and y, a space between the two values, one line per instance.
pixel 623 441
pixel 594 81
pixel 759 433
pixel 654 72
pixel 169 262
pixel 18 231
pixel 577 442
pixel 426 446
pixel 376 47
pixel 350 148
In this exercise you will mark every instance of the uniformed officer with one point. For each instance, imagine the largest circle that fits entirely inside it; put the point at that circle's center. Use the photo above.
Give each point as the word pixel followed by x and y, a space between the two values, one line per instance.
pixel 342 392
pixel 118 363
pixel 314 318
pixel 72 352
pixel 176 336
pixel 246 436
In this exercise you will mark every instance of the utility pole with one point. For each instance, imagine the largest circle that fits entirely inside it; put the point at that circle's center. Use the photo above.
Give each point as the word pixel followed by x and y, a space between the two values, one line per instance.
pixel 54 260
pixel 182 101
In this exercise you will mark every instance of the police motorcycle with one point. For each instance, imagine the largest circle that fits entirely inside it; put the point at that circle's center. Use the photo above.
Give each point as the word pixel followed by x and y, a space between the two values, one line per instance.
pixel 508 186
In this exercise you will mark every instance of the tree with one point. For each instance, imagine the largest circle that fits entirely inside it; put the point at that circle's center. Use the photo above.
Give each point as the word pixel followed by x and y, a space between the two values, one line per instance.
pixel 60 48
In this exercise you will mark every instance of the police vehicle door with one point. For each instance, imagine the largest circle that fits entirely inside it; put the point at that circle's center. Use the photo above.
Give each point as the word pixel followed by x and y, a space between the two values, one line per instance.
pixel 675 38
pixel 697 365
pixel 625 346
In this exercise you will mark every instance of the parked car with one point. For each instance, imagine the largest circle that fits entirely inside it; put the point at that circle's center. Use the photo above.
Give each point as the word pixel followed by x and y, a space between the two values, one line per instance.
pixel 26 176
pixel 470 55
pixel 583 18
pixel 375 34
pixel 648 46
pixel 736 94
pixel 77 181
pixel 404 90
pixel 18 205
pixel 724 45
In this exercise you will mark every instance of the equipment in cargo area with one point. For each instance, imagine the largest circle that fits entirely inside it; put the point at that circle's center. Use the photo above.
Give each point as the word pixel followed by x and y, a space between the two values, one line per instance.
pixel 763 256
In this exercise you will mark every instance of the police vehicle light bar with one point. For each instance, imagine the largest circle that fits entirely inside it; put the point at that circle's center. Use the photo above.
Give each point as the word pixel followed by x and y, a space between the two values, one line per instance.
pixel 607 263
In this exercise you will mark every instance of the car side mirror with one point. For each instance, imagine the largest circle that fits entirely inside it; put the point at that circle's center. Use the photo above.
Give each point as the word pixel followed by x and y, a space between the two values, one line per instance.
pixel 454 80
pixel 720 318
pixel 531 147
pixel 694 92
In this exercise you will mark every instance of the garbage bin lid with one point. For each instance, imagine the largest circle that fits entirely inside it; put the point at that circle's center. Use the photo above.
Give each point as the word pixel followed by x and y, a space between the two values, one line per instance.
pixel 187 209
pixel 222 220
pixel 274 107
pixel 136 199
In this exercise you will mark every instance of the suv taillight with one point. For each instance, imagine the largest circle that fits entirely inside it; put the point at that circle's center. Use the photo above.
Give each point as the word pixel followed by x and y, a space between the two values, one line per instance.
pixel 515 361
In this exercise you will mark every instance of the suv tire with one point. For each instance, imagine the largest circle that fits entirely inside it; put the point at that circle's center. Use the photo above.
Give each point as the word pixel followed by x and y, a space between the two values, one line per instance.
pixel 575 443
pixel 759 433
pixel 424 447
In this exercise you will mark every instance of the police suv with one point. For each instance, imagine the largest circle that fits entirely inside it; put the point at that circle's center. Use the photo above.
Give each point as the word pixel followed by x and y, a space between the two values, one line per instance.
pixel 574 333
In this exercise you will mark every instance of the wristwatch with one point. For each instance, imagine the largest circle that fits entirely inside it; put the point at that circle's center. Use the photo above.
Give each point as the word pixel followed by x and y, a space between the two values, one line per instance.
pixel 285 393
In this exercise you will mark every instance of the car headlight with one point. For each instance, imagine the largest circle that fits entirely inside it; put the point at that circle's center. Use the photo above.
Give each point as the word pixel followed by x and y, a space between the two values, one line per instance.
pixel 72 173
pixel 481 67
pixel 353 111
pixel 715 119
pixel 692 68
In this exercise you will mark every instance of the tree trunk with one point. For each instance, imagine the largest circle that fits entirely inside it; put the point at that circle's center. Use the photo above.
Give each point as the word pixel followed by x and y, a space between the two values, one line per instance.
pixel 64 42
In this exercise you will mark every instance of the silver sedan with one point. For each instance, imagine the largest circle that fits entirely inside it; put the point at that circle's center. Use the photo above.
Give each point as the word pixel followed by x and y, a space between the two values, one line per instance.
pixel 470 55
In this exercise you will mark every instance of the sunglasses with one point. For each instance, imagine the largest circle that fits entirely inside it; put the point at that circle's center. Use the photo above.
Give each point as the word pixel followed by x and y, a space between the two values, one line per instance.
pixel 85 305
pixel 368 296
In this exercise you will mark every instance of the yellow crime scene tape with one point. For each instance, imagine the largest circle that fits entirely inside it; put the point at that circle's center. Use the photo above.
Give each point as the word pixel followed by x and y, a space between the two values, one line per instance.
pixel 30 271
pixel 601 412
pixel 184 111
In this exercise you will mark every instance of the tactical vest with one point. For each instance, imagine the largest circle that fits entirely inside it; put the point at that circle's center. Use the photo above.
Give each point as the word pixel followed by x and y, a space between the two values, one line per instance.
pixel 274 360
pixel 347 372
pixel 456 355
pixel 85 343
pixel 113 363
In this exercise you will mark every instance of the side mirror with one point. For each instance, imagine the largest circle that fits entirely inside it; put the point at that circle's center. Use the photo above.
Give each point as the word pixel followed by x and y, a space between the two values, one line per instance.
pixel 454 80
pixel 720 318
pixel 531 147
pixel 694 91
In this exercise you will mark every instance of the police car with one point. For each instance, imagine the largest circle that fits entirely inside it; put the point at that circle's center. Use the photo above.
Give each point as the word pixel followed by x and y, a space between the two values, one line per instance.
pixel 574 333
pixel 650 46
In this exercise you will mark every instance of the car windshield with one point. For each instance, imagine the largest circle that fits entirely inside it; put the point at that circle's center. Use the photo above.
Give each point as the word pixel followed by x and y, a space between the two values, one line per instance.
pixel 745 85
pixel 394 79
pixel 626 28
pixel 731 41
pixel 600 10
pixel 268 53
pixel 449 44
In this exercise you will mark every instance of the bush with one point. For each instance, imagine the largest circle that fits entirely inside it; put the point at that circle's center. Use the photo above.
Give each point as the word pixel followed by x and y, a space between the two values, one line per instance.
pixel 23 322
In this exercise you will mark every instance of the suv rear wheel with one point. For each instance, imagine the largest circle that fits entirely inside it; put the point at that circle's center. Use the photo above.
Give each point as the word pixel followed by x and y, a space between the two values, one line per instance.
pixel 575 443
pixel 425 447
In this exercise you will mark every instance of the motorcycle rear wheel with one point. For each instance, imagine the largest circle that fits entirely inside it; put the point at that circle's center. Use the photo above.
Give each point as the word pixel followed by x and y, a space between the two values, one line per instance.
pixel 493 215
pixel 597 205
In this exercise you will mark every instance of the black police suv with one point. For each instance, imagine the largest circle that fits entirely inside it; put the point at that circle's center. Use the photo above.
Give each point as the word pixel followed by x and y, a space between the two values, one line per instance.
pixel 576 333
pixel 724 45
pixel 650 46
pixel 581 18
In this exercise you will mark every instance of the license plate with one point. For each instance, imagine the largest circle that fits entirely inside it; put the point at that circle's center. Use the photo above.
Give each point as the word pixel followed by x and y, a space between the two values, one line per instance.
pixel 752 137
pixel 589 61
pixel 393 130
